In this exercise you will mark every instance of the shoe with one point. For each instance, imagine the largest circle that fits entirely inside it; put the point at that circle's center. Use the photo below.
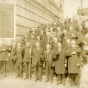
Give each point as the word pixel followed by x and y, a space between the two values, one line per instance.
pixel 58 82
pixel 46 80
pixel 51 81
pixel 40 80
pixel 21 77
pixel 73 83
pixel 4 74
pixel 17 76
pixel 25 78
pixel 36 79
pixel 77 84
pixel 63 83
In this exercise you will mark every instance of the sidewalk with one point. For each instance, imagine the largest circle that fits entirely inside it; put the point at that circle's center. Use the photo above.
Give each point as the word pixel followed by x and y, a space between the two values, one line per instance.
pixel 11 82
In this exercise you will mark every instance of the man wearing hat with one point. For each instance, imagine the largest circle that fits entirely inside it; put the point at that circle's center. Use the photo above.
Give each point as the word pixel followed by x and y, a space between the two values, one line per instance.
pixel 60 64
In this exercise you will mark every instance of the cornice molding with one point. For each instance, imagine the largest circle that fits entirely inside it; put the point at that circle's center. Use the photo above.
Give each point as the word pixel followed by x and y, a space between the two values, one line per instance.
pixel 35 1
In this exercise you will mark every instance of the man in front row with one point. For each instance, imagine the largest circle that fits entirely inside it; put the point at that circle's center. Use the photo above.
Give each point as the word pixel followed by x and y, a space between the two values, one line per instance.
pixel 60 64
pixel 36 58
pixel 27 60
pixel 49 63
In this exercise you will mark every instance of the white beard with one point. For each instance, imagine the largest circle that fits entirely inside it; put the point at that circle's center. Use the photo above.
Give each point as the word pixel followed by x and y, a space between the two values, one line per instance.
pixel 84 77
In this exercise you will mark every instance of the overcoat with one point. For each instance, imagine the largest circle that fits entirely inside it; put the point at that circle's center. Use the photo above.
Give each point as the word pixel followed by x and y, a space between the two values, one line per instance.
pixel 73 60
pixel 60 61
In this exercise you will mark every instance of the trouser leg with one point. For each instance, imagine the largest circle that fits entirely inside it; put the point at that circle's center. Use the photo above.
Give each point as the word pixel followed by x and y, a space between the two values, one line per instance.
pixel 77 79
pixel 51 74
pixel 17 69
pixel 28 69
pixel 36 71
pixel 58 79
pixel 63 79
pixel 4 68
pixel 25 68
pixel 12 65
pixel 20 68
pixel 72 78
pixel 47 71
pixel 40 73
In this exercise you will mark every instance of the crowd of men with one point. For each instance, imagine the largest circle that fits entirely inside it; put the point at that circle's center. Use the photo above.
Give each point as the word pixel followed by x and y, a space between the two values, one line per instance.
pixel 60 47
pixel 82 11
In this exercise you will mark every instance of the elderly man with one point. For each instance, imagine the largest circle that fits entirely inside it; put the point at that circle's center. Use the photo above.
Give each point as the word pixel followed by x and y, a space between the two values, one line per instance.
pixel 49 63
pixel 27 60
pixel 36 59
pixel 73 61
pixel 60 64
pixel 19 60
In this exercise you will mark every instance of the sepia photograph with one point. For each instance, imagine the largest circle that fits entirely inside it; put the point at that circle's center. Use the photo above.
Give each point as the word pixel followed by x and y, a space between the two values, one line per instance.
pixel 43 43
